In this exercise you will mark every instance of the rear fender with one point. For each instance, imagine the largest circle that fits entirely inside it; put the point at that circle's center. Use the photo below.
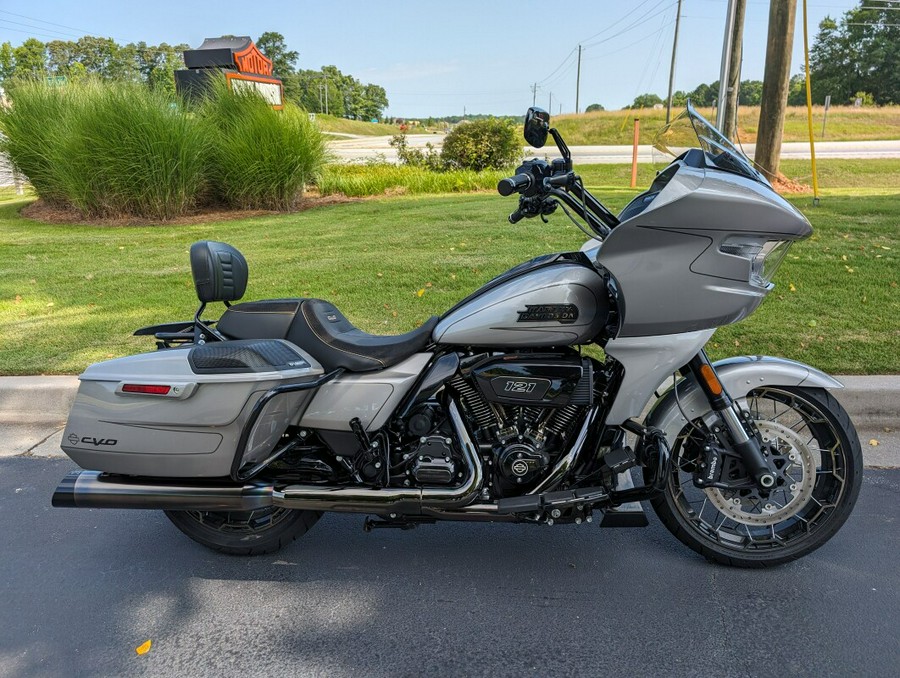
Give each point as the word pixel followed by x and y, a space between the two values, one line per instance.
pixel 739 375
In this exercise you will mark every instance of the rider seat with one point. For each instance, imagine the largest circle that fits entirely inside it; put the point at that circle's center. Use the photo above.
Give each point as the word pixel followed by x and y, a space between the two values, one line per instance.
pixel 318 327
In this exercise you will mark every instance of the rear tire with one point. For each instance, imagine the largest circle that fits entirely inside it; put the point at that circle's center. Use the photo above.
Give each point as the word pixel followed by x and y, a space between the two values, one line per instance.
pixel 818 487
pixel 244 533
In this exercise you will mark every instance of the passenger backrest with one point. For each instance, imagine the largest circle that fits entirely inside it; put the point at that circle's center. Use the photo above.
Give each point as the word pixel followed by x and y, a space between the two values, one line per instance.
pixel 219 270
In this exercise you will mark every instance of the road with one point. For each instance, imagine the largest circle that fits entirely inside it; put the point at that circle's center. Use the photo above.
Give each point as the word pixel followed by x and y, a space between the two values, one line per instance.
pixel 80 590
pixel 360 149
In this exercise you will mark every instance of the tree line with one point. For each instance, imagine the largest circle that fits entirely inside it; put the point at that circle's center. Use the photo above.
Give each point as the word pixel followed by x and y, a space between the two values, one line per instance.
pixel 154 65
pixel 855 57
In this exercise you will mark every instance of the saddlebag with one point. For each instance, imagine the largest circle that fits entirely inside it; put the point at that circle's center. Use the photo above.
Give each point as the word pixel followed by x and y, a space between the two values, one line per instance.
pixel 181 412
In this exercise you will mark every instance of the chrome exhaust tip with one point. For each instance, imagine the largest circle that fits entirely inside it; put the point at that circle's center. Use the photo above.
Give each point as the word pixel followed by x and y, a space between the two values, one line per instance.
pixel 93 489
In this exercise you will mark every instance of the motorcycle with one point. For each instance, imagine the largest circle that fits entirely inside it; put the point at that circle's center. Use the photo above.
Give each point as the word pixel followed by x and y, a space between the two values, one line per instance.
pixel 246 430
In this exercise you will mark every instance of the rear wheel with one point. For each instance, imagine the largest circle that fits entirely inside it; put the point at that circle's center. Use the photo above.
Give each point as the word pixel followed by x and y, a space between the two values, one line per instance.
pixel 245 533
pixel 815 450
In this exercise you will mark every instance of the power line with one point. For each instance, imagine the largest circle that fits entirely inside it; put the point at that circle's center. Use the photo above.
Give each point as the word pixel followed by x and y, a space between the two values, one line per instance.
pixel 620 19
pixel 638 22
pixel 41 21
pixel 39 28
pixel 558 67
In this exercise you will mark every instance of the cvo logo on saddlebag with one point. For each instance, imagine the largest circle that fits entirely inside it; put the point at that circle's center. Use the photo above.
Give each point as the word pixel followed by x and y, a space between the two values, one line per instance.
pixel 90 440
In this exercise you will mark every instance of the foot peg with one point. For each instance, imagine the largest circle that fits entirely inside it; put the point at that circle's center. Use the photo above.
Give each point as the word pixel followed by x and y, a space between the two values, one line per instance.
pixel 627 515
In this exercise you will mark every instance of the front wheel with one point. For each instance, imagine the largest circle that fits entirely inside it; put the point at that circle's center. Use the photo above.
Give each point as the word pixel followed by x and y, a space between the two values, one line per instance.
pixel 245 533
pixel 818 458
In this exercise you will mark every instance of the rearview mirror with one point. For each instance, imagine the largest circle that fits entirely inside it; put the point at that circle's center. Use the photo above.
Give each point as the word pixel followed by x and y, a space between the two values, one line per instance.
pixel 537 122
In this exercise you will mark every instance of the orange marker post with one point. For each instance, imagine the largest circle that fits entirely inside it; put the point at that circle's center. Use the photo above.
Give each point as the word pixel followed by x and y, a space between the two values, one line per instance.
pixel 637 136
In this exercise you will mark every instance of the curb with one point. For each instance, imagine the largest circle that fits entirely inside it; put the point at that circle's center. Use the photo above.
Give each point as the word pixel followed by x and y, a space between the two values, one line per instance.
pixel 36 400
pixel 870 400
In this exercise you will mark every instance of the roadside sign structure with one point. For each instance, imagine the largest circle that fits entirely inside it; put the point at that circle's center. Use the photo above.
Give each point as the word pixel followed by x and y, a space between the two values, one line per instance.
pixel 244 65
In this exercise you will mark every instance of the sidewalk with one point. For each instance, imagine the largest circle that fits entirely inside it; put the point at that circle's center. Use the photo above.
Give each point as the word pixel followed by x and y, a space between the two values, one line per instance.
pixel 33 411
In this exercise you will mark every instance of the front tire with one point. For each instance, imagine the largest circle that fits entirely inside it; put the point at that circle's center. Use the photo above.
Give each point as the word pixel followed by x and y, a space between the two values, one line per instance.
pixel 244 533
pixel 820 473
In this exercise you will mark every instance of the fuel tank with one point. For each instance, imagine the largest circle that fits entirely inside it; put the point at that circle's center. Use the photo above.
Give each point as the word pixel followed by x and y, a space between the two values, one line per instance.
pixel 554 300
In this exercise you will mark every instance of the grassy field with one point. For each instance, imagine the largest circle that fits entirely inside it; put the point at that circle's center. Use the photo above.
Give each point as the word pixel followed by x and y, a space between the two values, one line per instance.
pixel 845 123
pixel 331 123
pixel 71 295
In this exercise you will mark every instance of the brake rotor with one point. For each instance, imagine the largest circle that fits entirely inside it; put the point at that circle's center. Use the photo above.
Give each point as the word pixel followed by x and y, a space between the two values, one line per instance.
pixel 796 478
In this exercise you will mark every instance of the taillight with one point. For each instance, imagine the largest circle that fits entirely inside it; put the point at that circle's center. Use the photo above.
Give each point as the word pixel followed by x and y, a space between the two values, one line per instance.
pixel 148 389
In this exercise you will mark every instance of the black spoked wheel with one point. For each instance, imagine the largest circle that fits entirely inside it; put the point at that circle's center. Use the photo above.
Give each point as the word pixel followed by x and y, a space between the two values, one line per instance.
pixel 815 450
pixel 246 533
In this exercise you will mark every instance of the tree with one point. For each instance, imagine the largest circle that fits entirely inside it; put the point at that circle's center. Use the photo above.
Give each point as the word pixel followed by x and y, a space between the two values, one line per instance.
pixel 30 59
pixel 7 62
pixel 594 107
pixel 705 95
pixel 750 92
pixel 273 45
pixel 859 53
pixel 646 101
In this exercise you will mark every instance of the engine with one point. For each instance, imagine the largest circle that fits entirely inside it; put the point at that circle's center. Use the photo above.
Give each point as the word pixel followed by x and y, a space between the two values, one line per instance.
pixel 525 407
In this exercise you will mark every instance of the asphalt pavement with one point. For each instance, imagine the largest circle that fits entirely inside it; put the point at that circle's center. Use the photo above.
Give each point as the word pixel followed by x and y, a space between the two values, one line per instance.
pixel 80 590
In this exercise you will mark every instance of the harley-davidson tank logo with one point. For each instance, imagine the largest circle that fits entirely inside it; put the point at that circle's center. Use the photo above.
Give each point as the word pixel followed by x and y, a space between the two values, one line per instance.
pixel 73 439
pixel 565 314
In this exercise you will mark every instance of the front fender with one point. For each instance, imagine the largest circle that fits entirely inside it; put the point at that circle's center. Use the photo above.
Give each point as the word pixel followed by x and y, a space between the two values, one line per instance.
pixel 739 375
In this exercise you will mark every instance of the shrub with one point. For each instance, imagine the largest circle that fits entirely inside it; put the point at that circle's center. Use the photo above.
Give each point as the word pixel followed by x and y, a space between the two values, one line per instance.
pixel 260 157
pixel 429 159
pixel 115 149
pixel 105 150
pixel 480 145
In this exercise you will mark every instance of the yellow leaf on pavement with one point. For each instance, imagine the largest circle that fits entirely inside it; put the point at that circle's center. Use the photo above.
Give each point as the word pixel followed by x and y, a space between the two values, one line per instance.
pixel 143 648
pixel 873 442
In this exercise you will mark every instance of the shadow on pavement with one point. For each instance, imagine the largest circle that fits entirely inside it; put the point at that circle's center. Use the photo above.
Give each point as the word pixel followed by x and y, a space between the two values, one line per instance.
pixel 79 590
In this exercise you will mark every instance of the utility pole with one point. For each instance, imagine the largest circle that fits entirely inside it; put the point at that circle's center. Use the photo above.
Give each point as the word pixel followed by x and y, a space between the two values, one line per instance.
pixel 326 97
pixel 782 17
pixel 672 66
pixel 578 81
pixel 550 105
pixel 734 73
pixel 725 69
pixel 534 94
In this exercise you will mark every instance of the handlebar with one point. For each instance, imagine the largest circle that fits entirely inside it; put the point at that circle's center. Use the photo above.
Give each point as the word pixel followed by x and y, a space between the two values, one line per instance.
pixel 516 184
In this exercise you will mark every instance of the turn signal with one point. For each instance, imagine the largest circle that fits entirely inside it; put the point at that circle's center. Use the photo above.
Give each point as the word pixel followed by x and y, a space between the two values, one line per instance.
pixel 709 376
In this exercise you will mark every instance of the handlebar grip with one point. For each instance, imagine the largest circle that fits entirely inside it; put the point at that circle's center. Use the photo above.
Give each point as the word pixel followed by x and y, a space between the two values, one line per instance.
pixel 516 217
pixel 516 184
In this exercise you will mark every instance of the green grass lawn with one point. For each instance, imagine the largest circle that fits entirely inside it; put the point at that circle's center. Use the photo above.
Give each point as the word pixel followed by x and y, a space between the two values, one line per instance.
pixel 71 295
pixel 331 123
pixel 845 123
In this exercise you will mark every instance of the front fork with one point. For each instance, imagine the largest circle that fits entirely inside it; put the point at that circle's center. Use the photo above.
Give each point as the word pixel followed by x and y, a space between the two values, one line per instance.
pixel 746 444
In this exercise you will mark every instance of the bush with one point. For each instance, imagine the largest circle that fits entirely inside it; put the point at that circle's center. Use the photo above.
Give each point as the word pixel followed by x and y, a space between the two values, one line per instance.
pixel 259 157
pixel 480 145
pixel 429 159
pixel 116 149
pixel 105 150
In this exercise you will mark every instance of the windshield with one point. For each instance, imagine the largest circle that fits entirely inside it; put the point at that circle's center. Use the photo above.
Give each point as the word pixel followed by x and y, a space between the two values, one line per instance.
pixel 689 128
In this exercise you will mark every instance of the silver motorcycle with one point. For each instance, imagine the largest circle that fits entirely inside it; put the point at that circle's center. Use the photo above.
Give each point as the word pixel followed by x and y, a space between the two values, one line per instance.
pixel 245 430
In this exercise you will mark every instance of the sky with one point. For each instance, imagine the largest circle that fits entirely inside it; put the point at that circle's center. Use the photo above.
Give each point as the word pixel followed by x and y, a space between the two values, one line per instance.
pixel 447 58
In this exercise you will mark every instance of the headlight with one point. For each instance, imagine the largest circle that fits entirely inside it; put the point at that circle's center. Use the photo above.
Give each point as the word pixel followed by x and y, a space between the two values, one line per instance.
pixel 765 256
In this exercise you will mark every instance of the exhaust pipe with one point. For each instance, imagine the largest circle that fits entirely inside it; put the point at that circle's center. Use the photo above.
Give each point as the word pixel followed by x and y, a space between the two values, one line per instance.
pixel 92 489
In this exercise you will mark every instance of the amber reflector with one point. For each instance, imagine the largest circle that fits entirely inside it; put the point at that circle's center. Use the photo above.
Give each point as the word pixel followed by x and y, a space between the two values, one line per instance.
pixel 709 376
